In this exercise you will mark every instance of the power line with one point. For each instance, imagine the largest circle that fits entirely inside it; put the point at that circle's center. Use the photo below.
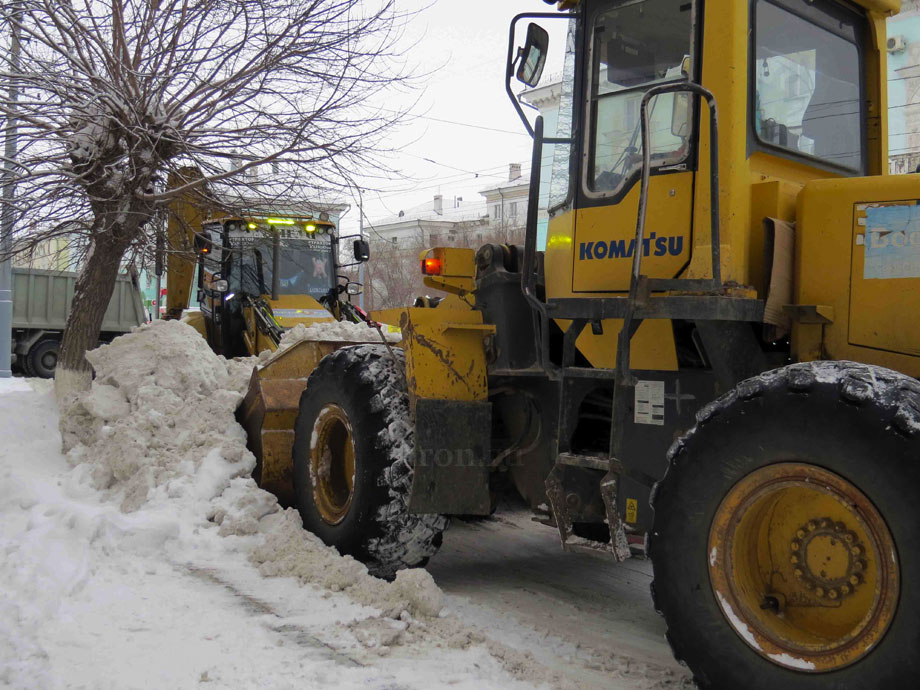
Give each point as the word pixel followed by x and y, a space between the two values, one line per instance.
pixel 460 124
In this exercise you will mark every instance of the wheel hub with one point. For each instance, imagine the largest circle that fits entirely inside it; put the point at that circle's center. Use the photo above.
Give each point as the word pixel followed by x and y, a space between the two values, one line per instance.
pixel 828 558
pixel 332 464
pixel 803 567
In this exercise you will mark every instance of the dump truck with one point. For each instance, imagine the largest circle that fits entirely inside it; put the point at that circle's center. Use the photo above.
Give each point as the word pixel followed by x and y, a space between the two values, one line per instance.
pixel 257 271
pixel 711 363
pixel 41 304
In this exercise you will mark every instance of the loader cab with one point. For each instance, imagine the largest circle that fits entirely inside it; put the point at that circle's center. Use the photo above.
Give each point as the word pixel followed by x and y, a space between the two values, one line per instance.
pixel 800 90
pixel 238 258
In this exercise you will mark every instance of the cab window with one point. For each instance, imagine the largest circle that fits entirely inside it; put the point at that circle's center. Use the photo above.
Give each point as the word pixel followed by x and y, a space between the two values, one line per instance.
pixel 635 45
pixel 808 80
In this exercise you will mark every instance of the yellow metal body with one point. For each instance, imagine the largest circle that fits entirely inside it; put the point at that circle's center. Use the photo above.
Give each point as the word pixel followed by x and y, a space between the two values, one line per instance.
pixel 587 249
pixel 270 408
pixel 869 316
pixel 445 351
pixel 187 212
pixel 289 310
pixel 456 269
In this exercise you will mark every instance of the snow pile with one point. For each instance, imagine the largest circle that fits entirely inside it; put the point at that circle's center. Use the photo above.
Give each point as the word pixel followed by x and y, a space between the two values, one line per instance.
pixel 158 428
pixel 159 418
pixel 291 551
pixel 331 331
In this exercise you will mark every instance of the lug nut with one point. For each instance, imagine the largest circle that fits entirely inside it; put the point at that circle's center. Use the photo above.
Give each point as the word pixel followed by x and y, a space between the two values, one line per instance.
pixel 796 545
pixel 849 537
pixel 799 573
pixel 856 550
pixel 832 594
pixel 844 589
pixel 811 525
pixel 839 527
pixel 794 559
pixel 819 591
pixel 859 566
pixel 854 580
pixel 800 533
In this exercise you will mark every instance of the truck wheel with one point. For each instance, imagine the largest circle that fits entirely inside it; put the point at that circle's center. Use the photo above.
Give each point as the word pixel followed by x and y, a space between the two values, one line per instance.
pixel 25 365
pixel 786 537
pixel 43 357
pixel 353 453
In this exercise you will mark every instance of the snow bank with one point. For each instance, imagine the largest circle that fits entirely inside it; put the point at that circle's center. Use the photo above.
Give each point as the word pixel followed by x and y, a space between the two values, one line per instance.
pixel 167 595
pixel 158 429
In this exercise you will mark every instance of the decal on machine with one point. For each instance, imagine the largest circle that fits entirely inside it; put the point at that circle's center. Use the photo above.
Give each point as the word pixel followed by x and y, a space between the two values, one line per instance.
pixel 892 242
pixel 653 245
pixel 632 511
pixel 649 403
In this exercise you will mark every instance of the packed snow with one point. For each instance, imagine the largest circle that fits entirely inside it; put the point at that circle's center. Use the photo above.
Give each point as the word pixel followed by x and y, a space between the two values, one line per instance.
pixel 332 331
pixel 139 553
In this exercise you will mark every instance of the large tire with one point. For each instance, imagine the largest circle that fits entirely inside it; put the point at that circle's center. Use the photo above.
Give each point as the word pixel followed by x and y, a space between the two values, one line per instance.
pixel 852 426
pixel 43 357
pixel 354 421
pixel 24 364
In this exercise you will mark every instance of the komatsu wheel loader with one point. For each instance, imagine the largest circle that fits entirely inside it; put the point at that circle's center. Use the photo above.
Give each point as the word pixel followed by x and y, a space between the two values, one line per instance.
pixel 715 356
pixel 259 272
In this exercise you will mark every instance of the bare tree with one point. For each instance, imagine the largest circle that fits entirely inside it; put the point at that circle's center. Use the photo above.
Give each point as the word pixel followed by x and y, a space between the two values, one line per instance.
pixel 119 94
pixel 393 277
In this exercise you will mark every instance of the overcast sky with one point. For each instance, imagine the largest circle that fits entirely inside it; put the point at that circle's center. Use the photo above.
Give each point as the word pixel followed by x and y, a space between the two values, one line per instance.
pixel 466 123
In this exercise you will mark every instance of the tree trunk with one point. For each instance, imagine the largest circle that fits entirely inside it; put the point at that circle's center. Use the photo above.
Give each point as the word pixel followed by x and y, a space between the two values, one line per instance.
pixel 92 292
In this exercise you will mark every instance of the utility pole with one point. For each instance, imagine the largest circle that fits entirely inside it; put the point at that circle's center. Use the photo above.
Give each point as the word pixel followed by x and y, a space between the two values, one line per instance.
pixel 361 236
pixel 6 213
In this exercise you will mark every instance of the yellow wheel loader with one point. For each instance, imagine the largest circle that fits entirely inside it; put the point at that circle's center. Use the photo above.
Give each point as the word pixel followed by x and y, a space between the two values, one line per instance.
pixel 258 273
pixel 713 361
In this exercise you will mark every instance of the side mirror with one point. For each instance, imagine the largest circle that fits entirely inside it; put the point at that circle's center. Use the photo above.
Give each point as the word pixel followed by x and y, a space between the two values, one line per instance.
pixel 362 251
pixel 220 285
pixel 533 55
pixel 680 115
pixel 354 288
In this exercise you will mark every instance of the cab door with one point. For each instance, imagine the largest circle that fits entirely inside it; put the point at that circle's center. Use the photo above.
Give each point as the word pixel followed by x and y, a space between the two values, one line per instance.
pixel 630 47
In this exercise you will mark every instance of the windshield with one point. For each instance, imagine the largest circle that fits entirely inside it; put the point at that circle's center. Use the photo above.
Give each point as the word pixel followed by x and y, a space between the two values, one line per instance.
pixel 306 266
pixel 636 45
pixel 808 79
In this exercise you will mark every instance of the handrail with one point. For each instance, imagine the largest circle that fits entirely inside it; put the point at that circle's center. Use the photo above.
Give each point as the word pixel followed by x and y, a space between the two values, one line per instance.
pixel 646 173
pixel 628 328
pixel 528 268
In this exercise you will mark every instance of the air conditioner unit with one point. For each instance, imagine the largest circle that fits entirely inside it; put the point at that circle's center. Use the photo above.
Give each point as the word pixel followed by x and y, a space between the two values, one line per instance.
pixel 896 44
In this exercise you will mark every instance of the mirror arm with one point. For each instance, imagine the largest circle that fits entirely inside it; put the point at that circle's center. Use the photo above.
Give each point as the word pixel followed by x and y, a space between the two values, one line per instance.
pixel 514 55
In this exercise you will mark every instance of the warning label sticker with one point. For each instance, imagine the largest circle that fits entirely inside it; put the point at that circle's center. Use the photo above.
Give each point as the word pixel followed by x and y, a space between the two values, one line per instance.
pixel 632 511
pixel 649 402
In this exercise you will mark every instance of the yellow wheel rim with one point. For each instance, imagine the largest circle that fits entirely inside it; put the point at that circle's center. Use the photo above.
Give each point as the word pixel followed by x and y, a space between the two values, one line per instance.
pixel 332 464
pixel 803 567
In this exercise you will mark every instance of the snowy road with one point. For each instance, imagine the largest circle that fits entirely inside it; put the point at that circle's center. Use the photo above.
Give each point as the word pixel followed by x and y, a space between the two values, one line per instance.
pixel 147 557
pixel 584 616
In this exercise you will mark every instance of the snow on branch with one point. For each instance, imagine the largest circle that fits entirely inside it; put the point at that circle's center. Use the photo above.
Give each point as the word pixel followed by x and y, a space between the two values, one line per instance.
pixel 270 98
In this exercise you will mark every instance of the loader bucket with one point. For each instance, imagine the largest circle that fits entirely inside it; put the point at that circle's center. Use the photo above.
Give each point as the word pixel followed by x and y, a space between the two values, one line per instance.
pixel 269 410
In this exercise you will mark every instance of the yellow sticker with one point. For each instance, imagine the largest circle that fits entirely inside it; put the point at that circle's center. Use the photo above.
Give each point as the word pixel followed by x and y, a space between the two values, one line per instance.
pixel 632 510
